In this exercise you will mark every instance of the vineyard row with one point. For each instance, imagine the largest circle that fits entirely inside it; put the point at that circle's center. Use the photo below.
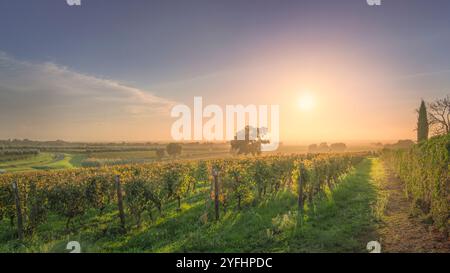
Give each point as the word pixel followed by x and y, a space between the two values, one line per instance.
pixel 424 169
pixel 27 199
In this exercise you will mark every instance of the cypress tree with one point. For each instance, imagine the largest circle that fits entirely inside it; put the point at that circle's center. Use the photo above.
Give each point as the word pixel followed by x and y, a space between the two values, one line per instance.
pixel 422 123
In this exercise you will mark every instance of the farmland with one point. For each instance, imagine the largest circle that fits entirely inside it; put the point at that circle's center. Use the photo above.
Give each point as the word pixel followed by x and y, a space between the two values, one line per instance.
pixel 269 206
pixel 225 126
pixel 69 155
pixel 42 161
pixel 205 200
pixel 74 155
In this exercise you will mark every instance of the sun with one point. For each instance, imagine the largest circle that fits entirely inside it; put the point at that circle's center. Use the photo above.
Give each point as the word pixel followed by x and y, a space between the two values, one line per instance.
pixel 306 102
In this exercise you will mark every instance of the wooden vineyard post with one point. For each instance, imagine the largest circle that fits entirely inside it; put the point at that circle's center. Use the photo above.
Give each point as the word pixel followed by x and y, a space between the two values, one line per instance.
pixel 300 187
pixel 120 203
pixel 18 210
pixel 216 192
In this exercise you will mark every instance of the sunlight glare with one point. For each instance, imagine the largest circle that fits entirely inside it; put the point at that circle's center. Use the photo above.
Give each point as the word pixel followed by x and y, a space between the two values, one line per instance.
pixel 306 102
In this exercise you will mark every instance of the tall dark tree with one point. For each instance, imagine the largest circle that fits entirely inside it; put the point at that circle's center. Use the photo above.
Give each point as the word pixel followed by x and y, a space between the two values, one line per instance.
pixel 422 123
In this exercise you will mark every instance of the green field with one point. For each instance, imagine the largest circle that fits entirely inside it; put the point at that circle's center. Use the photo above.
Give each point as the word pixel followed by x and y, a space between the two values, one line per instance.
pixel 43 161
pixel 67 157
pixel 59 161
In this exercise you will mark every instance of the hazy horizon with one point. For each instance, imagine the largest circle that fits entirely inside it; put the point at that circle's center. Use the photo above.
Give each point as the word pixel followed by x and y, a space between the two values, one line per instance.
pixel 288 143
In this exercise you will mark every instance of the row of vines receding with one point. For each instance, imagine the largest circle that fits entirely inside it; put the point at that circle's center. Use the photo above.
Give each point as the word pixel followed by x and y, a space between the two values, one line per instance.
pixel 424 169
pixel 134 190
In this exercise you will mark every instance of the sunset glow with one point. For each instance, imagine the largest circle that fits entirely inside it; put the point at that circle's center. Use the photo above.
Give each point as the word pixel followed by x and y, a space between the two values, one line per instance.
pixel 306 102
pixel 347 81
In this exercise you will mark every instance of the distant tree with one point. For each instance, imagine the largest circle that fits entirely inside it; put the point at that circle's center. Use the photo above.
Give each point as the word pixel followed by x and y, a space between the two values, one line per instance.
pixel 251 142
pixel 160 152
pixel 174 149
pixel 312 148
pixel 439 116
pixel 422 123
pixel 323 147
pixel 338 147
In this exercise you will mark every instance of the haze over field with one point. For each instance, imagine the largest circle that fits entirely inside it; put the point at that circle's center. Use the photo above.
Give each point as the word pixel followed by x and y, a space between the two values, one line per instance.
pixel 111 71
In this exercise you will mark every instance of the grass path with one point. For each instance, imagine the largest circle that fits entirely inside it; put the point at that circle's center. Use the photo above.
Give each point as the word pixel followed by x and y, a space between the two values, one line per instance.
pixel 399 231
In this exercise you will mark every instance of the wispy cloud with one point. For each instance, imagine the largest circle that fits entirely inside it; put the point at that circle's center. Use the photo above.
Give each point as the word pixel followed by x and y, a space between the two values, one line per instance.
pixel 34 94
pixel 426 74
pixel 47 79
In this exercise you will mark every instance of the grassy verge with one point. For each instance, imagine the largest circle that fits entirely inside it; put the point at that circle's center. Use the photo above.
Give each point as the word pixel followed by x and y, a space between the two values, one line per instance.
pixel 379 181
pixel 336 222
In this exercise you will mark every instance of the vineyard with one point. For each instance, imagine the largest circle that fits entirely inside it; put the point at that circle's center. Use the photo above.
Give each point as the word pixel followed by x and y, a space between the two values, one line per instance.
pixel 28 201
pixel 424 169
pixel 14 154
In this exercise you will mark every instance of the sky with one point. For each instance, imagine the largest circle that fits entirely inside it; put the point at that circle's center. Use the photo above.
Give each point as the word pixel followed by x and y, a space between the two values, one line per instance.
pixel 111 70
